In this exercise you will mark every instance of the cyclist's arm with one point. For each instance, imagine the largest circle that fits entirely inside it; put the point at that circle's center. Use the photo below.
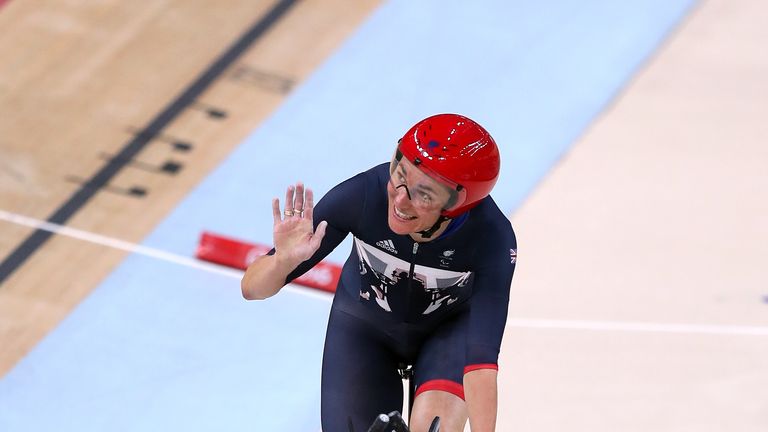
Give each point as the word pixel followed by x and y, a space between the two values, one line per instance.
pixel 340 208
pixel 488 316
pixel 265 277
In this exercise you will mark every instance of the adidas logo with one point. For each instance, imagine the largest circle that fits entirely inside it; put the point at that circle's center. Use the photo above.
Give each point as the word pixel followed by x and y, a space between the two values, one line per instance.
pixel 388 245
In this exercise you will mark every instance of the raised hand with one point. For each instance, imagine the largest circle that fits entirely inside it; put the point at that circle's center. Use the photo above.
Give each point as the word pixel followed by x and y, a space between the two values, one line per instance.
pixel 294 236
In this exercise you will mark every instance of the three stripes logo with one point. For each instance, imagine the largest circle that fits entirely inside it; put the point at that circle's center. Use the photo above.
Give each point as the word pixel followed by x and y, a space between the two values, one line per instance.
pixel 387 245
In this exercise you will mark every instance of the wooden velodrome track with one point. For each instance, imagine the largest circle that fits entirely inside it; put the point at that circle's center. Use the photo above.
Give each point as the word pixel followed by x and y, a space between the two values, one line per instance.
pixel 100 131
pixel 86 82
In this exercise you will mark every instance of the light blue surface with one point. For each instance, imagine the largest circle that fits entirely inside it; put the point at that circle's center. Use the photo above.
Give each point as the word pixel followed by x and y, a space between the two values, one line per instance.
pixel 163 347
pixel 535 74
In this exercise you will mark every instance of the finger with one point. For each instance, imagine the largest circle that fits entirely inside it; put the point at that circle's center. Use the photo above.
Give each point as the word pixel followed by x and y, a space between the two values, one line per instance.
pixel 299 198
pixel 309 204
pixel 289 199
pixel 276 211
pixel 317 238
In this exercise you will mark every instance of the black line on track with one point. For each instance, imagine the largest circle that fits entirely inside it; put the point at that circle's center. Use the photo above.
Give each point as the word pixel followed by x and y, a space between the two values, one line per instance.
pixel 187 98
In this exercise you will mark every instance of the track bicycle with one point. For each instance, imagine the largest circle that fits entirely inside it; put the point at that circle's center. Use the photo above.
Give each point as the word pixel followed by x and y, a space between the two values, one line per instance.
pixel 393 422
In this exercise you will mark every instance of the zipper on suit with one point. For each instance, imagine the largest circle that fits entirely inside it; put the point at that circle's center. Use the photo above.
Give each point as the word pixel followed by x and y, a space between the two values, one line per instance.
pixel 411 274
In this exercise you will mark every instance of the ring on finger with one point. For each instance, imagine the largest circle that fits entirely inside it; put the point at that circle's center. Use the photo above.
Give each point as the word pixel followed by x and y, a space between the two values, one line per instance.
pixel 299 213
pixel 289 212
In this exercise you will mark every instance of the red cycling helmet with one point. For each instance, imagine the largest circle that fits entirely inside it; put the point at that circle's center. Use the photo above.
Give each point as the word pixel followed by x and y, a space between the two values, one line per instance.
pixel 456 151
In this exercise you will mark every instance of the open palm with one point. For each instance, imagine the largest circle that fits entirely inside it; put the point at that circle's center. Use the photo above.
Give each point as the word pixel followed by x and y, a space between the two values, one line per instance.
pixel 294 236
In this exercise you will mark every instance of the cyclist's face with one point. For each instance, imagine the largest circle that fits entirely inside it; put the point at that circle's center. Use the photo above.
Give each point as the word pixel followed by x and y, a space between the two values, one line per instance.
pixel 415 199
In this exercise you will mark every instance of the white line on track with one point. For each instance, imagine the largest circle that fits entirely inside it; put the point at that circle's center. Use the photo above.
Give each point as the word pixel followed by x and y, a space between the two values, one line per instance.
pixel 512 322
pixel 141 250
pixel 638 327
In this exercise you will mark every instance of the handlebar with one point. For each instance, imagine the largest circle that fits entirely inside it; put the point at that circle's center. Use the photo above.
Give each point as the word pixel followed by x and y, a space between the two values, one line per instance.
pixel 393 422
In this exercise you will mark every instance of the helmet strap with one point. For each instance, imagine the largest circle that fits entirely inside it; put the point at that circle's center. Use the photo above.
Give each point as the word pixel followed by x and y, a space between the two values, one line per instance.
pixel 429 232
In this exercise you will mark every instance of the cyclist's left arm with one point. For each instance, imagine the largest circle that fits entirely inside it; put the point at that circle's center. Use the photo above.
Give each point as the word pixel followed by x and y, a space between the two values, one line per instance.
pixel 488 316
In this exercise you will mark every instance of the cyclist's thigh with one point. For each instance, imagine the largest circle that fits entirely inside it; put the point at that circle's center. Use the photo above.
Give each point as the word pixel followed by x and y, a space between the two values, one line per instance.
pixel 441 360
pixel 360 378
pixel 439 376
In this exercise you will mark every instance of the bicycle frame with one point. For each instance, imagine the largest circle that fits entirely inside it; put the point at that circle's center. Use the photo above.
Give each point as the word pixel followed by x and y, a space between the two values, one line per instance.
pixel 393 422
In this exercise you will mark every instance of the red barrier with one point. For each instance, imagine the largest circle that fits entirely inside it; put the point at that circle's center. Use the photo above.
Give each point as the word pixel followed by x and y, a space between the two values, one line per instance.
pixel 239 254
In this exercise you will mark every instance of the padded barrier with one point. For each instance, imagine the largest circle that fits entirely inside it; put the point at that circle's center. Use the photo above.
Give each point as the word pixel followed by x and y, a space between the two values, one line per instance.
pixel 239 254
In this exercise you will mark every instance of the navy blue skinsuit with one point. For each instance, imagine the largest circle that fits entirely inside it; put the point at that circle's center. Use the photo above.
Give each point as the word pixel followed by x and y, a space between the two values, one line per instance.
pixel 439 305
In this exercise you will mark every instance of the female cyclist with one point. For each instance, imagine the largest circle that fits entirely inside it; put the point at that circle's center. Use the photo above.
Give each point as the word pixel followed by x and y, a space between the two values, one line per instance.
pixel 426 283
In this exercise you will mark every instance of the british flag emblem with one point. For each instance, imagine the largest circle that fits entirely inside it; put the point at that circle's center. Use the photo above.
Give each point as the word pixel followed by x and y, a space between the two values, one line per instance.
pixel 513 255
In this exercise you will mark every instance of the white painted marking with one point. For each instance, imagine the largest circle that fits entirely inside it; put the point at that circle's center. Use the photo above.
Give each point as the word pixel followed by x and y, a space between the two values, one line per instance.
pixel 142 250
pixel 512 322
pixel 638 327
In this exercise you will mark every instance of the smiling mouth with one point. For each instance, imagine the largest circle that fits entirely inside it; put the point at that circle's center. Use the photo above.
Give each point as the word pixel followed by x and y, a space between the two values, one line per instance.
pixel 402 215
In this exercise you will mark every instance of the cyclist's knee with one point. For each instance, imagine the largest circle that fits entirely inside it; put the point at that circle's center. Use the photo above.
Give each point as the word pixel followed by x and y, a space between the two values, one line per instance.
pixel 451 409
